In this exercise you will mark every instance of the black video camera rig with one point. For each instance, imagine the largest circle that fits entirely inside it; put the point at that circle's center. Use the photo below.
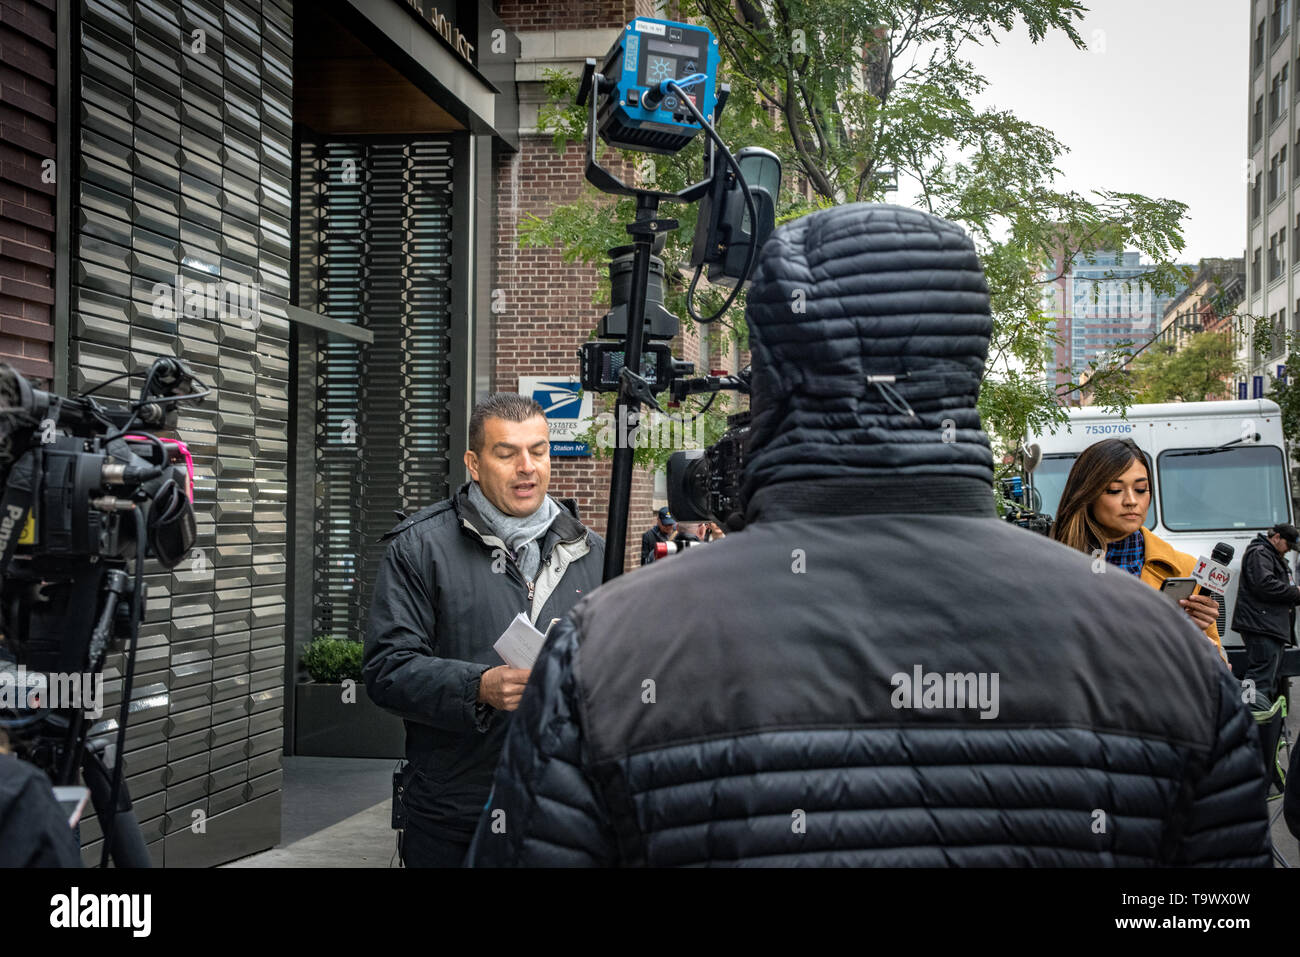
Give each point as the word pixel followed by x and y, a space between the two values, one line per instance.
pixel 86 492
pixel 1020 506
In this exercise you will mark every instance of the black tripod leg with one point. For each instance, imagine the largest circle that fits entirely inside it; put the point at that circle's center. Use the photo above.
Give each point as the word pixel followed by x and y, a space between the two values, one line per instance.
pixel 127 849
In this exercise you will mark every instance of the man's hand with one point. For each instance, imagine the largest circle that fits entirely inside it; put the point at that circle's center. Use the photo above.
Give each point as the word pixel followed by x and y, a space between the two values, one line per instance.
pixel 502 687
pixel 1203 609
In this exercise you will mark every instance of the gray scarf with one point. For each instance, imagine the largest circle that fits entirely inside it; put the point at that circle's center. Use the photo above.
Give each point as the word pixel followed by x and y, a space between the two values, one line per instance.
pixel 521 535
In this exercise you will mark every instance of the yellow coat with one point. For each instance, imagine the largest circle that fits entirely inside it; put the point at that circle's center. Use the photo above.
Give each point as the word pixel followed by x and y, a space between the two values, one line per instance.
pixel 1160 561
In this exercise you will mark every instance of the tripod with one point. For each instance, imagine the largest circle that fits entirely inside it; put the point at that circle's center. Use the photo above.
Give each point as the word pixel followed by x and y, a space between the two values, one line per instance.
pixel 63 615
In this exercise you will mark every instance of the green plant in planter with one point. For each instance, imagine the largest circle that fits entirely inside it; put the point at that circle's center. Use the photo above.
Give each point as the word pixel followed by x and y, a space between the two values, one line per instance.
pixel 331 660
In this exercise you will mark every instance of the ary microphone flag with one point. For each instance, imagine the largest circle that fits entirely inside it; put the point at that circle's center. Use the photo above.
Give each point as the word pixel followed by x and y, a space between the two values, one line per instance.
pixel 1212 573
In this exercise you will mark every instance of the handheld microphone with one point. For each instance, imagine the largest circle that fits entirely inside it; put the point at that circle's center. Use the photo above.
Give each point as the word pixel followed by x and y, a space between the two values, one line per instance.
pixel 1212 573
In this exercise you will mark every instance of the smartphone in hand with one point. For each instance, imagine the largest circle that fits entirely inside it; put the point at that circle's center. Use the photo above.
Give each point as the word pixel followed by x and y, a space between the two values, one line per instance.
pixel 1178 588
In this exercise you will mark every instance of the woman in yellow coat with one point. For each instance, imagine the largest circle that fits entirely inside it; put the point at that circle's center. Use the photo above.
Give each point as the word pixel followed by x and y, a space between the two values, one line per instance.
pixel 1102 509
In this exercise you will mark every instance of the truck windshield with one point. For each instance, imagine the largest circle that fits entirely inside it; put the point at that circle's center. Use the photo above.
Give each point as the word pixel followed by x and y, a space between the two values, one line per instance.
pixel 1049 483
pixel 1236 487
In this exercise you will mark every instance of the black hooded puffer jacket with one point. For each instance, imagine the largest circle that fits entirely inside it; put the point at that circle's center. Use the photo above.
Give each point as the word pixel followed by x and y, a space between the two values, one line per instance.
pixel 886 674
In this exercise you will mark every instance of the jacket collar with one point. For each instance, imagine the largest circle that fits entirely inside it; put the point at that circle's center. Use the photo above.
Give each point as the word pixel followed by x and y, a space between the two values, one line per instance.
pixel 858 495
pixel 1261 540
pixel 564 528
pixel 1156 550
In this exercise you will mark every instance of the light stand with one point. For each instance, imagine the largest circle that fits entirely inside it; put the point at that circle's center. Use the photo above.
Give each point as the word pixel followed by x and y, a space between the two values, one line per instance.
pixel 645 229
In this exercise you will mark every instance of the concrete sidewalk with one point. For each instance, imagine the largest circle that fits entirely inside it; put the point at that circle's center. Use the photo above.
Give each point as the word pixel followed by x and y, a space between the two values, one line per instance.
pixel 362 840
pixel 336 813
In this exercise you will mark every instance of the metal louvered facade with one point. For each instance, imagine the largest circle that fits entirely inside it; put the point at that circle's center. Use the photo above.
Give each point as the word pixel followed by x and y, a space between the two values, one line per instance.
pixel 340 397
pixel 184 168
pixel 375 250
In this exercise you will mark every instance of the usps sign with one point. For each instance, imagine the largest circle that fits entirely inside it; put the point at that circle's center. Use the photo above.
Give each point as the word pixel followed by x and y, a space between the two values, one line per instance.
pixel 567 413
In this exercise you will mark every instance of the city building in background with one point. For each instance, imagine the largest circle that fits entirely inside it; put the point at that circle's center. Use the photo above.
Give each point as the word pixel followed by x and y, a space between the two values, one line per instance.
pixel 1208 304
pixel 1272 294
pixel 1099 302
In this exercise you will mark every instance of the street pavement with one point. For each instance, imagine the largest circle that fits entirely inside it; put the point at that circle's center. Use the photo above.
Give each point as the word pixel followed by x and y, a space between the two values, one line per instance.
pixel 335 812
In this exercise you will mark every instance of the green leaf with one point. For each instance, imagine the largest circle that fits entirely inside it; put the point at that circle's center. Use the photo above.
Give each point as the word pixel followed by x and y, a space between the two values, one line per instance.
pixel 331 660
pixel 844 90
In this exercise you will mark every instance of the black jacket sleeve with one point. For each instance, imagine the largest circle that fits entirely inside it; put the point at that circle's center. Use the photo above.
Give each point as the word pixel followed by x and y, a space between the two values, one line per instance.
pixel 1261 577
pixel 1227 823
pixel 648 547
pixel 34 830
pixel 545 809
pixel 402 671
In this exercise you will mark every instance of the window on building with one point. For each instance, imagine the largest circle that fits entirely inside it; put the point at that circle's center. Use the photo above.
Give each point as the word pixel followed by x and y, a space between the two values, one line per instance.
pixel 1257 121
pixel 1257 387
pixel 1258 59
pixel 1281 18
pixel 1274 258
pixel 1255 269
pixel 1277 175
pixel 1277 96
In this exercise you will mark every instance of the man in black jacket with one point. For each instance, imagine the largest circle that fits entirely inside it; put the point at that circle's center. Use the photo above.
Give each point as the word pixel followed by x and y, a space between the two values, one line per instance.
pixel 454 576
pixel 889 675
pixel 665 529
pixel 1265 610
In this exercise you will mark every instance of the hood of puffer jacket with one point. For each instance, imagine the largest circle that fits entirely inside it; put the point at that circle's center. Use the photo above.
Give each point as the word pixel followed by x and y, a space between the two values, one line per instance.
pixel 860 291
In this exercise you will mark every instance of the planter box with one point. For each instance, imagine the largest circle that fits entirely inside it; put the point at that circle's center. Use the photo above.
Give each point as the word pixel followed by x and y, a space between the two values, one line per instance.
pixel 326 726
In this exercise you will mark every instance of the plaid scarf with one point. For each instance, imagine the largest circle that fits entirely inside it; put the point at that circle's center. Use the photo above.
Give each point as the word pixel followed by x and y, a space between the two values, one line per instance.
pixel 1128 553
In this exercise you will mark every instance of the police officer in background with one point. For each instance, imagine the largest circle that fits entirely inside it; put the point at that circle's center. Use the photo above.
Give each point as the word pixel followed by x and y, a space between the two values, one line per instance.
pixel 665 530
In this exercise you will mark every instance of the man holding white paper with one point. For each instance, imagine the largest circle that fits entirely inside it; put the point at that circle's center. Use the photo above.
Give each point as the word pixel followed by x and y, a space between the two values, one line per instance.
pixel 452 583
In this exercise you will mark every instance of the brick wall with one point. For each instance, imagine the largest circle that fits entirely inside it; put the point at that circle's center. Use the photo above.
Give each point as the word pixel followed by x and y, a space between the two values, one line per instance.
pixel 548 303
pixel 523 16
pixel 548 314
pixel 27 132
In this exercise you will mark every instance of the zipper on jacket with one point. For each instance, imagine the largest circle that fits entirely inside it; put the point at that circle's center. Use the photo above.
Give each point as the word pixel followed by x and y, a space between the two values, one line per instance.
pixel 532 585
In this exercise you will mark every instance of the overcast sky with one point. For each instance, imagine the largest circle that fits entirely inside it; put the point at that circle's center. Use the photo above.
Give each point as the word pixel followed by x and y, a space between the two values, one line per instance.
pixel 1157 106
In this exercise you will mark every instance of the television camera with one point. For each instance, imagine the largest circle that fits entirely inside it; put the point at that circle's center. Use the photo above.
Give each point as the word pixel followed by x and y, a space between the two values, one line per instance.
pixel 89 492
